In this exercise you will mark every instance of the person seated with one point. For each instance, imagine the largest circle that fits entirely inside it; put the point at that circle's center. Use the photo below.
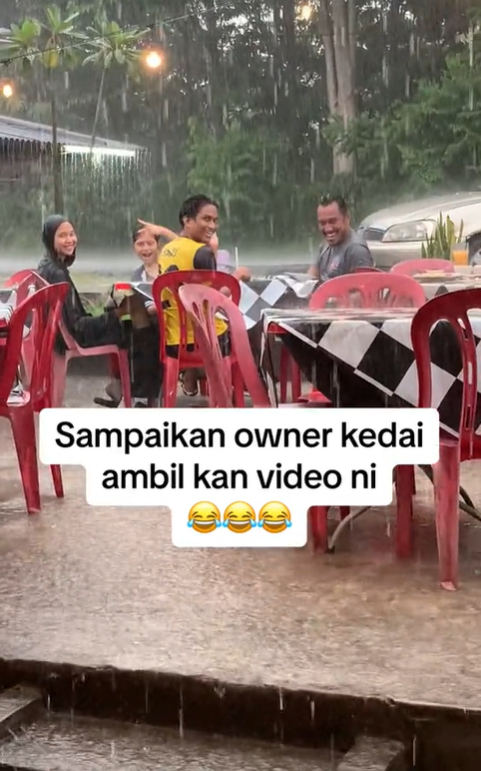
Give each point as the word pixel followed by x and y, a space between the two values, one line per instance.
pixel 192 249
pixel 145 357
pixel 147 248
pixel 343 250
pixel 223 258
pixel 60 241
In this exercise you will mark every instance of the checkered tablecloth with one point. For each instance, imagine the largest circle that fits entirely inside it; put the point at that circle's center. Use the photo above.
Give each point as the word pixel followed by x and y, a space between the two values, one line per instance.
pixel 356 354
pixel 259 294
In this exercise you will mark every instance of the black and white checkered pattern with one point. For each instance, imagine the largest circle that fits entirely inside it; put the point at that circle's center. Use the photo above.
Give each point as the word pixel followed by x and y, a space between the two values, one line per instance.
pixel 376 348
pixel 260 294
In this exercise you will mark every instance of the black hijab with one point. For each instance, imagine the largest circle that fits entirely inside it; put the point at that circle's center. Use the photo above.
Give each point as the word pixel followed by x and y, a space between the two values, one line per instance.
pixel 50 227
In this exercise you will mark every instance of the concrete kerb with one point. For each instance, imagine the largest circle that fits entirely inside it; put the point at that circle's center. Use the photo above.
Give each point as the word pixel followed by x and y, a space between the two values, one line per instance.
pixel 261 712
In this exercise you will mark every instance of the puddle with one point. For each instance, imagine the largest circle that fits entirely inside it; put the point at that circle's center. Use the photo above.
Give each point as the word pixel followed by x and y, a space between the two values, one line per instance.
pixel 84 744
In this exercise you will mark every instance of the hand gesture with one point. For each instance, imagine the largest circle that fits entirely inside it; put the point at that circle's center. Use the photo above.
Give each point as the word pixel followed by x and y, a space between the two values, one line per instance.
pixel 156 230
pixel 214 243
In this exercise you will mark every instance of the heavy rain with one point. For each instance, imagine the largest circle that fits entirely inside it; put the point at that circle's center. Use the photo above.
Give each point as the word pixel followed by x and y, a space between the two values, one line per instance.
pixel 308 126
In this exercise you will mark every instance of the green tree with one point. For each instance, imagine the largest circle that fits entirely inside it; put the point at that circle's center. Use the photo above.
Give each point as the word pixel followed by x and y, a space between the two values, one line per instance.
pixel 54 44
pixel 113 46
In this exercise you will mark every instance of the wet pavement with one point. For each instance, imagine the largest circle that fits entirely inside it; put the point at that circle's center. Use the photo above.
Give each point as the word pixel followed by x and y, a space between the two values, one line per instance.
pixel 82 744
pixel 105 586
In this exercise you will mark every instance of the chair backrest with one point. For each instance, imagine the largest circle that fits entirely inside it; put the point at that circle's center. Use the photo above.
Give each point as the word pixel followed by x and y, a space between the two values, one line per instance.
pixel 174 280
pixel 23 282
pixel 17 278
pixel 367 270
pixel 369 290
pixel 413 267
pixel 202 302
pixel 452 308
pixel 43 308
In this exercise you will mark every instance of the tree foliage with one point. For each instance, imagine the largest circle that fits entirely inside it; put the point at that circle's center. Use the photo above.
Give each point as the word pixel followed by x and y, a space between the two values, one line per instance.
pixel 244 108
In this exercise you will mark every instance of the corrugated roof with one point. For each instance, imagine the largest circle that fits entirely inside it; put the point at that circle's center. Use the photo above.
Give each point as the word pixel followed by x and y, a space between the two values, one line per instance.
pixel 27 131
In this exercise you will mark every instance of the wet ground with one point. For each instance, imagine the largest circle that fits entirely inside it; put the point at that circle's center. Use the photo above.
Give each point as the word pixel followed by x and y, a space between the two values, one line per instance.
pixel 82 744
pixel 99 586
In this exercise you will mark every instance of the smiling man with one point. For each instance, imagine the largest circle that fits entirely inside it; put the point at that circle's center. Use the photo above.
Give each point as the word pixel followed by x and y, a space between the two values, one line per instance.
pixel 343 249
pixel 192 249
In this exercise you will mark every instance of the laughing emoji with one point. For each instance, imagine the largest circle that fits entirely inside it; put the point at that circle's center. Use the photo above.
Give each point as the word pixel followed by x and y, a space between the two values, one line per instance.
pixel 204 517
pixel 275 517
pixel 239 517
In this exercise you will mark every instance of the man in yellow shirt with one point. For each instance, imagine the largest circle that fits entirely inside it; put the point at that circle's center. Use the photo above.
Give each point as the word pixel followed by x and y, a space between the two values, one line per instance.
pixel 190 250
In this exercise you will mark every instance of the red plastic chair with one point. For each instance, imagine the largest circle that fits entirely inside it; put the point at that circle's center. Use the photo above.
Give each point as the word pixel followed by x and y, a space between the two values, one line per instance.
pixel 24 283
pixel 365 288
pixel 43 309
pixel 453 450
pixel 74 350
pixel 15 280
pixel 202 302
pixel 412 267
pixel 173 282
pixel 369 290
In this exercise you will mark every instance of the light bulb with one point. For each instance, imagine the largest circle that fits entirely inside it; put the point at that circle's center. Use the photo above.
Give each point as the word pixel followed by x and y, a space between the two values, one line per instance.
pixel 153 60
pixel 305 12
pixel 7 91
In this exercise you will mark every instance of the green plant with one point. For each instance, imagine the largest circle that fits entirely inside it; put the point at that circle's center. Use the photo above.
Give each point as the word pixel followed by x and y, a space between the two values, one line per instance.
pixel 440 244
pixel 52 44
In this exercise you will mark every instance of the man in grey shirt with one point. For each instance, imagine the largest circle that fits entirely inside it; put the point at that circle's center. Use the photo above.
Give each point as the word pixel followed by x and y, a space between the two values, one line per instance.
pixel 343 249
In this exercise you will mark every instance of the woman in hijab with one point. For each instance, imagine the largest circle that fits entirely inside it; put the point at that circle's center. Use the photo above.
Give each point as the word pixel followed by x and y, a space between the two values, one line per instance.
pixel 60 241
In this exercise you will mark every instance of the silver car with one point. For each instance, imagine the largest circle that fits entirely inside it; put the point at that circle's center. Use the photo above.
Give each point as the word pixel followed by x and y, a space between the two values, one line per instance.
pixel 397 234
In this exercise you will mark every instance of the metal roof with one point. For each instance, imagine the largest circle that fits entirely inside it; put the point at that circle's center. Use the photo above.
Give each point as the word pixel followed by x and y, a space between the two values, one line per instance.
pixel 27 131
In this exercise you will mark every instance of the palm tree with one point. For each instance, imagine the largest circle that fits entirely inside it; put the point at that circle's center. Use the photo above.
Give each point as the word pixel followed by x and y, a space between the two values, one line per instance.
pixel 113 46
pixel 52 44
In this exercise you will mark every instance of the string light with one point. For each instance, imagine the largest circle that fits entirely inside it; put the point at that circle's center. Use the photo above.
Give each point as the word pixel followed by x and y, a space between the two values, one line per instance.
pixel 153 60
pixel 7 90
pixel 305 12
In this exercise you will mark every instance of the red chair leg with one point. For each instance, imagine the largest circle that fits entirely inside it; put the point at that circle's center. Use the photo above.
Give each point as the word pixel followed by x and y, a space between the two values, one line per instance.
pixel 124 372
pixel 404 512
pixel 317 518
pixel 237 387
pixel 203 387
pixel 170 383
pixel 413 470
pixel 59 377
pixel 57 481
pixel 296 388
pixel 284 374
pixel 446 496
pixel 23 428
